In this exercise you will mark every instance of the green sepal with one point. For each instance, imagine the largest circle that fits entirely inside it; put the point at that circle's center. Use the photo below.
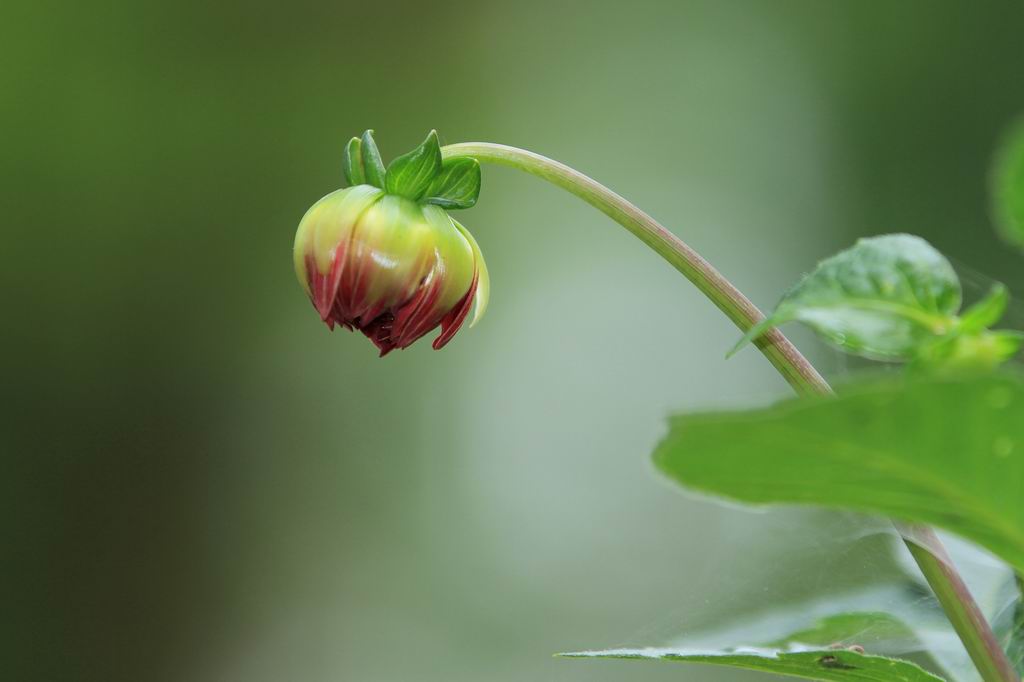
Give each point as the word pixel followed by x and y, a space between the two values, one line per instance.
pixel 456 186
pixel 373 167
pixel 410 175
pixel 353 163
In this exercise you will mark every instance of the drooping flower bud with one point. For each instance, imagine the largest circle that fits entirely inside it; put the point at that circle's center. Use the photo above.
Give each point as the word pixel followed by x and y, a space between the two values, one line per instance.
pixel 384 257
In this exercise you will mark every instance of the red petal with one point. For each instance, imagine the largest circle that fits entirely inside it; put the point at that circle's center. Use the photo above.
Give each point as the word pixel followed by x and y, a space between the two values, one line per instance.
pixel 451 322
pixel 418 316
pixel 353 289
pixel 324 288
pixel 379 331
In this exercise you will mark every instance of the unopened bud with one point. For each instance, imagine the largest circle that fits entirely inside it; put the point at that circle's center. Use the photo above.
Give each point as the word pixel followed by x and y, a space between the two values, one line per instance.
pixel 384 257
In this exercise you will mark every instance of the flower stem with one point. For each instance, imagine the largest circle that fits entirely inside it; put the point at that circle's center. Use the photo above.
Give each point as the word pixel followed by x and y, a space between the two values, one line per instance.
pixel 793 366
pixel 924 545
pixel 956 601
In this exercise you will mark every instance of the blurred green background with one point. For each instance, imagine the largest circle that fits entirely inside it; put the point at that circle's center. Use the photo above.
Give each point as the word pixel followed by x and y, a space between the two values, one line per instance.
pixel 204 484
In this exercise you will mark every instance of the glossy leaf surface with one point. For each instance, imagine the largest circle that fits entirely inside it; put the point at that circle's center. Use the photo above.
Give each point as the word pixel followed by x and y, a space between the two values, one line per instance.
pixel 410 175
pixel 838 665
pixel 882 298
pixel 948 452
pixel 456 186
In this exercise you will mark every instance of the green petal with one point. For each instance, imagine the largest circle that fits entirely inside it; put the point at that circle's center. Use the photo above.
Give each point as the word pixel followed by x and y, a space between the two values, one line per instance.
pixel 325 224
pixel 483 285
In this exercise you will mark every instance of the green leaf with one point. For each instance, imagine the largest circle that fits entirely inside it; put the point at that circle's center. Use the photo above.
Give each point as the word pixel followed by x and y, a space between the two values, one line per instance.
pixel 457 185
pixel 410 175
pixel 968 352
pixel 1007 185
pixel 970 345
pixel 839 665
pixel 945 451
pixel 352 161
pixel 831 649
pixel 881 298
pixel 373 167
pixel 987 311
pixel 1008 627
pixel 847 629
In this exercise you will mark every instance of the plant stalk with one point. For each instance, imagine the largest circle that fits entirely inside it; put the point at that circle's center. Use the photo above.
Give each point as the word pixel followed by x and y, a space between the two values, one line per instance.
pixel 956 601
pixel 938 569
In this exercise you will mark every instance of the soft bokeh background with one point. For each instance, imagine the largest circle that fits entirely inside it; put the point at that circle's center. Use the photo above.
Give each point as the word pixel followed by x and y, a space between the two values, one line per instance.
pixel 204 484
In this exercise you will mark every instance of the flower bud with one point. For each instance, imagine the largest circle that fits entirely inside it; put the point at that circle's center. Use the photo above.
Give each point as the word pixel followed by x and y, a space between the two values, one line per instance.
pixel 383 256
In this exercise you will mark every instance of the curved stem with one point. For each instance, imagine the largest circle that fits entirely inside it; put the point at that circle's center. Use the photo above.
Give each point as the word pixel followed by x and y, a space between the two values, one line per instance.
pixel 793 366
pixel 924 545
